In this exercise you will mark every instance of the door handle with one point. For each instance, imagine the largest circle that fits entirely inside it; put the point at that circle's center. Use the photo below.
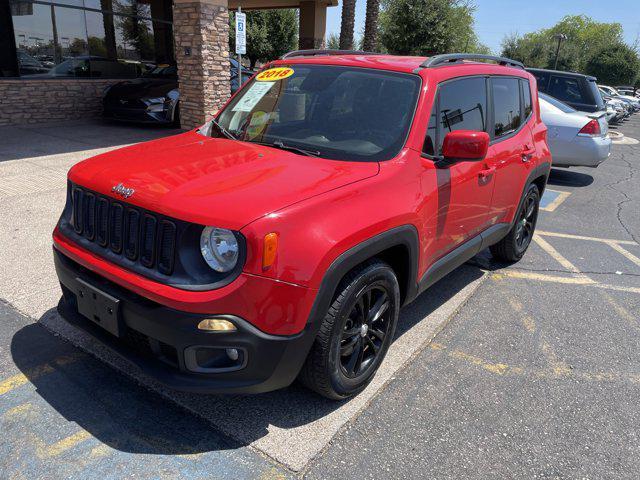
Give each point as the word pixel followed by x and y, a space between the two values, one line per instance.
pixel 527 153
pixel 487 172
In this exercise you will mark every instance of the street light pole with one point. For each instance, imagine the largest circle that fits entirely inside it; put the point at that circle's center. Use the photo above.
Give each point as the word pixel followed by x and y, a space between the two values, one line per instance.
pixel 560 37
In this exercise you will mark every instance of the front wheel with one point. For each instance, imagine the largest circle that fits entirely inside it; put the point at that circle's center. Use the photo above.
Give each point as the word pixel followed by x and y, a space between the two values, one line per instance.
pixel 355 334
pixel 512 247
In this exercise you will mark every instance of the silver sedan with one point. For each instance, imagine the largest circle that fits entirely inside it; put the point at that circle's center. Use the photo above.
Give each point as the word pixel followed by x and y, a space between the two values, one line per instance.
pixel 576 139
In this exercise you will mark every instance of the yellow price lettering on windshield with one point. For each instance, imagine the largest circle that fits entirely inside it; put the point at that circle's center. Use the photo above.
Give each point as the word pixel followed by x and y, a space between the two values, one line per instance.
pixel 274 74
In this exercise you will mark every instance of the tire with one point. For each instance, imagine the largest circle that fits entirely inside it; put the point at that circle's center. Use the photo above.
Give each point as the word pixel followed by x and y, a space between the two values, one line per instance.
pixel 176 116
pixel 346 355
pixel 512 247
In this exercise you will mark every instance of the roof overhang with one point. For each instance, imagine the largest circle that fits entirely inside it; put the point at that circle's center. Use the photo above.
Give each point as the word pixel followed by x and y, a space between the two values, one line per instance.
pixel 266 4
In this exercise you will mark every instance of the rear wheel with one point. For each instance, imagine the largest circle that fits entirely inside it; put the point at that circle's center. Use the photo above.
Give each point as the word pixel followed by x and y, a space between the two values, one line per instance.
pixel 512 247
pixel 355 334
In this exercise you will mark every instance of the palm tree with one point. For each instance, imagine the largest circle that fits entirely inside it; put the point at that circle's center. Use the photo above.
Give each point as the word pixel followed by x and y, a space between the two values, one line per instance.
pixel 370 42
pixel 347 25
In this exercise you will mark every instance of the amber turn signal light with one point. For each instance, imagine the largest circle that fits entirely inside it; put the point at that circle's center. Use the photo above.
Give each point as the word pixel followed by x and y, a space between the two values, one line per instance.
pixel 270 250
pixel 216 325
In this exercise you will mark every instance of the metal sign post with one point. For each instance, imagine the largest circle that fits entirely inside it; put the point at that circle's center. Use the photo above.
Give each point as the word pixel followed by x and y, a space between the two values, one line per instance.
pixel 241 40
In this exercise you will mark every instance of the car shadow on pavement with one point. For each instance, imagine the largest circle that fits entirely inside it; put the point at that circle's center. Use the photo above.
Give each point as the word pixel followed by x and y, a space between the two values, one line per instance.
pixel 569 178
pixel 41 140
pixel 129 417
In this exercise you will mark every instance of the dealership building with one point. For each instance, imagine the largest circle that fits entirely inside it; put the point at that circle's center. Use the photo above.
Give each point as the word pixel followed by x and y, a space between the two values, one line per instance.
pixel 58 56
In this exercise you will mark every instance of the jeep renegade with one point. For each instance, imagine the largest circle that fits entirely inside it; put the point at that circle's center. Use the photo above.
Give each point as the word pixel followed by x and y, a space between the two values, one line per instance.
pixel 280 240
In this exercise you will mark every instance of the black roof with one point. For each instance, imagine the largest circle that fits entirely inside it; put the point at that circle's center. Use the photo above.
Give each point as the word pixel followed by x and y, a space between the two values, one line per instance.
pixel 574 74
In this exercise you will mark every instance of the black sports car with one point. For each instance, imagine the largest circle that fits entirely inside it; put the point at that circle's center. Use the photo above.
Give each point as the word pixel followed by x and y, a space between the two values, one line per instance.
pixel 154 97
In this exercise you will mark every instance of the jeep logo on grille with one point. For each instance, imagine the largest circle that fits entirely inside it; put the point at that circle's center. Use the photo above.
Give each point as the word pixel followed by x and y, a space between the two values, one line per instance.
pixel 123 191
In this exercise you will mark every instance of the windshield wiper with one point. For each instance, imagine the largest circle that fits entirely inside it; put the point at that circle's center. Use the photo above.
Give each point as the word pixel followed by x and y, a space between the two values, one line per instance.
pixel 283 146
pixel 223 130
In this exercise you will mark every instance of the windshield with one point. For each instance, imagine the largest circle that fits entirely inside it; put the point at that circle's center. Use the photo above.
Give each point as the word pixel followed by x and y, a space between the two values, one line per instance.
pixel 163 71
pixel 557 103
pixel 339 112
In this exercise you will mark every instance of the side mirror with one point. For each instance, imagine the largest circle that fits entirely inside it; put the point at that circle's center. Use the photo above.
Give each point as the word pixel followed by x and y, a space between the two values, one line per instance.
pixel 464 146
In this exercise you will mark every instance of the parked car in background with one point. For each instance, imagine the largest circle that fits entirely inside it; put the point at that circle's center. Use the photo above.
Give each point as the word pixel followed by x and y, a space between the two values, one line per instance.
pixel 632 100
pixel 29 65
pixel 628 90
pixel 154 98
pixel 266 246
pixel 92 66
pixel 574 89
pixel 575 139
pixel 623 107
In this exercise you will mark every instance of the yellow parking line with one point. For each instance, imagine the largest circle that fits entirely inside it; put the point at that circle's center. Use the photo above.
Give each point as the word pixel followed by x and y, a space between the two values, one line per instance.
pixel 66 444
pixel 559 258
pixel 35 373
pixel 556 279
pixel 562 196
pixel 627 254
pixel 542 277
pixel 582 237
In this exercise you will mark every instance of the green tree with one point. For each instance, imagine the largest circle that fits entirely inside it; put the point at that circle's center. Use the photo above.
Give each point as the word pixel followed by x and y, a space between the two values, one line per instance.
pixel 428 27
pixel 616 64
pixel 270 34
pixel 584 38
pixel 333 41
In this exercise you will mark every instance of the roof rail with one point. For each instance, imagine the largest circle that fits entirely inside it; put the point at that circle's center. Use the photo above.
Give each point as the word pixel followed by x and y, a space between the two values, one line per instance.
pixel 448 58
pixel 314 53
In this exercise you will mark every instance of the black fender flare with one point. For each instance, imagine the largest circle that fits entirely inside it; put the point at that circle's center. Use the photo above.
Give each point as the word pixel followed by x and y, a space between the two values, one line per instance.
pixel 404 235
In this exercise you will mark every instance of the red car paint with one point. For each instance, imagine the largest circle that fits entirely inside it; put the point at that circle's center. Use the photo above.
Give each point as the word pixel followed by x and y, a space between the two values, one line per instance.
pixel 319 208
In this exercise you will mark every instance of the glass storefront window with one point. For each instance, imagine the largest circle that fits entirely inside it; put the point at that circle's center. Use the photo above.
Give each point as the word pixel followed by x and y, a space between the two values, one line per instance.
pixel 70 38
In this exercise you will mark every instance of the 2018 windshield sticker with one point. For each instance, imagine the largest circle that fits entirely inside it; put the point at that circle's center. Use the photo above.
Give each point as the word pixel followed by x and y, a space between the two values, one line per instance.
pixel 273 74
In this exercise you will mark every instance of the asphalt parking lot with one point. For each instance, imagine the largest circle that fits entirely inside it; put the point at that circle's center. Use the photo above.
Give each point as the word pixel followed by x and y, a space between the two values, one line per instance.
pixel 524 371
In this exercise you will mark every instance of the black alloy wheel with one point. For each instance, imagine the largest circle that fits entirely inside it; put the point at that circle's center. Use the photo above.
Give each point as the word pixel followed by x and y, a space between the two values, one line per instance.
pixel 356 332
pixel 364 330
pixel 526 222
pixel 514 245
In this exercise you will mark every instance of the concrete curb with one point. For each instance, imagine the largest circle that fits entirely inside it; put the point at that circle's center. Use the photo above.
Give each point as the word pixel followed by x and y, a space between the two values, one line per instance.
pixel 293 425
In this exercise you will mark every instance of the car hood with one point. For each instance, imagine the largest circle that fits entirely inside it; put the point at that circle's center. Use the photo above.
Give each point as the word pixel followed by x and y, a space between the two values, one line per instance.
pixel 143 87
pixel 212 181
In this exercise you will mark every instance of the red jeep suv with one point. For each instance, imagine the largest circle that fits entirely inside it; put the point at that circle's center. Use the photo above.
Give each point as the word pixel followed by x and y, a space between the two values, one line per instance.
pixel 281 239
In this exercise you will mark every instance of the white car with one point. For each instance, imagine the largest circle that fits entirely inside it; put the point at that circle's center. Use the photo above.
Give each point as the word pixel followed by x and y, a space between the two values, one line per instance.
pixel 634 101
pixel 576 139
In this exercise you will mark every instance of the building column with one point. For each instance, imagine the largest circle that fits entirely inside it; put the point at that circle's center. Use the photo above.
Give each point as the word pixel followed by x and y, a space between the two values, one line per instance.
pixel 313 24
pixel 201 33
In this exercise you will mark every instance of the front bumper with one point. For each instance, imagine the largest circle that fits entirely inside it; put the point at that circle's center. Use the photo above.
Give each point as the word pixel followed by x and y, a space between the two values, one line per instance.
pixel 136 115
pixel 155 338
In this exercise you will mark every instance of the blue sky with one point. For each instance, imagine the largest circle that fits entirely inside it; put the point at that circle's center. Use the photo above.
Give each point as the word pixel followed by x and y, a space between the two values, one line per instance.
pixel 497 18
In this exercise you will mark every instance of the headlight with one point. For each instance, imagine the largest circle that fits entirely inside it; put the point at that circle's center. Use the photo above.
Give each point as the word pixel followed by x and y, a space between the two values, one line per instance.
pixel 219 248
pixel 154 100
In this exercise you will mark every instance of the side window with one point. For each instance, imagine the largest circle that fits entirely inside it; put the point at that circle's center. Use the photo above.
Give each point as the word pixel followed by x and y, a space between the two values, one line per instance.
pixel 506 105
pixel 463 106
pixel 526 97
pixel 429 146
pixel 542 79
pixel 566 89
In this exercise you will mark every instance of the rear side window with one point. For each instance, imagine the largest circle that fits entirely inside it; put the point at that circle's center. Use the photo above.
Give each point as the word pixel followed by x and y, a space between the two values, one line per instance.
pixel 566 89
pixel 506 105
pixel 526 98
pixel 542 78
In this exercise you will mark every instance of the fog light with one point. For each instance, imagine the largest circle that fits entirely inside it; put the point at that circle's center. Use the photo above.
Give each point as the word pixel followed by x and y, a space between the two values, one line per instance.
pixel 216 325
pixel 233 354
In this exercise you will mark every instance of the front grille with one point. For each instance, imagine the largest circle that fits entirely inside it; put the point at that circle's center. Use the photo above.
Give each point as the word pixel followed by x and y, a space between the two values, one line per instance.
pixel 125 230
